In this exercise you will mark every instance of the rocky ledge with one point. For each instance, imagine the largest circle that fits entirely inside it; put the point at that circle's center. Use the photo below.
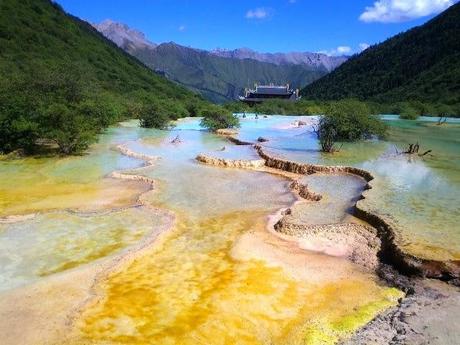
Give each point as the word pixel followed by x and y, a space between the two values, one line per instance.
pixel 304 192
pixel 227 131
pixel 230 134
pixel 389 251
pixel 427 315
pixel 230 163
pixel 308 169
pixel 358 243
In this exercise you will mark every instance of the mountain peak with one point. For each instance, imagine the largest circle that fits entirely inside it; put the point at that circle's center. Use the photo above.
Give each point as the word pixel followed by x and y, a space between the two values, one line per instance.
pixel 123 36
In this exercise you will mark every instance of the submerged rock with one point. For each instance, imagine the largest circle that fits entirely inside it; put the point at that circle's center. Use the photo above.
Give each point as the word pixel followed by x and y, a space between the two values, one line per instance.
pixel 176 140
pixel 299 123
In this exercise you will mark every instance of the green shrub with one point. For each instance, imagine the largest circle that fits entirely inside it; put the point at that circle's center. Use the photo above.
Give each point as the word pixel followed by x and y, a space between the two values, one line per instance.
pixel 327 133
pixel 66 126
pixel 313 109
pixel 407 112
pixel 154 115
pixel 445 111
pixel 176 110
pixel 216 117
pixel 351 120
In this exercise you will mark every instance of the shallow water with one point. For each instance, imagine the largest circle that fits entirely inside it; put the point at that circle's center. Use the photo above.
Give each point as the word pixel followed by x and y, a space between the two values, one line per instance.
pixel 191 289
pixel 80 215
pixel 339 195
pixel 419 196
pixel 59 241
pixel 41 184
pixel 217 277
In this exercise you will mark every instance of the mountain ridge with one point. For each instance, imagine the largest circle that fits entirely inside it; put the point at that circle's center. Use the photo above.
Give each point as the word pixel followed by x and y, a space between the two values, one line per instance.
pixel 296 58
pixel 218 78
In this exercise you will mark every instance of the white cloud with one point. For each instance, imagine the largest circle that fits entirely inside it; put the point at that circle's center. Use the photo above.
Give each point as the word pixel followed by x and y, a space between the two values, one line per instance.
pixel 182 28
pixel 340 50
pixel 343 50
pixel 258 13
pixel 363 46
pixel 392 11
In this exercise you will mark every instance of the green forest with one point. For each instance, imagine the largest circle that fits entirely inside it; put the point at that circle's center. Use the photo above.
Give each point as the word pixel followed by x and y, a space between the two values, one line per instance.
pixel 408 109
pixel 63 82
pixel 420 68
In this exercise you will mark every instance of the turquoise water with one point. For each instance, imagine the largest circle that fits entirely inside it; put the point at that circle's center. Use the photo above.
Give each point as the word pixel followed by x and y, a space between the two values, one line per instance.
pixel 339 195
pixel 193 288
pixel 58 241
pixel 216 274
pixel 199 189
pixel 419 195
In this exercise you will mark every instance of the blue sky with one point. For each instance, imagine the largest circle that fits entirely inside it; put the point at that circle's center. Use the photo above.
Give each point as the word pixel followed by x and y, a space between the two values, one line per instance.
pixel 264 25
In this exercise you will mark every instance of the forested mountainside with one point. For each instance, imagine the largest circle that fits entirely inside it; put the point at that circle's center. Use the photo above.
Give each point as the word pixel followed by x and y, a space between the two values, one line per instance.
pixel 422 64
pixel 62 80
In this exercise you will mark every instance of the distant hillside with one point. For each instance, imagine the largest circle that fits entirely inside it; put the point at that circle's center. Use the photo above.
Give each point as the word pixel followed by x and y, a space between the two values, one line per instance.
pixel 217 77
pixel 221 79
pixel 421 64
pixel 315 60
pixel 53 64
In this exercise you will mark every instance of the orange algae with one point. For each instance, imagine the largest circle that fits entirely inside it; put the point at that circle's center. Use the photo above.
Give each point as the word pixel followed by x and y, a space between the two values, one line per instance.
pixel 204 296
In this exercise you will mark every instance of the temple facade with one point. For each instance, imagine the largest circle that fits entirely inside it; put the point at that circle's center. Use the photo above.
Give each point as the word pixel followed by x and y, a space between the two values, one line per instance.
pixel 262 93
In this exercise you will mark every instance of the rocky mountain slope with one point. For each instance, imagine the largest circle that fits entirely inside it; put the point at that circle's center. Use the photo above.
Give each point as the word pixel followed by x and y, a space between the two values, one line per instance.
pixel 315 60
pixel 123 36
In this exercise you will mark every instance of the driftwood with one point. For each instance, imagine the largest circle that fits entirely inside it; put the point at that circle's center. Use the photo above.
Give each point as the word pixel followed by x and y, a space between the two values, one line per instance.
pixel 413 149
pixel 442 120
pixel 425 153
pixel 176 140
pixel 316 130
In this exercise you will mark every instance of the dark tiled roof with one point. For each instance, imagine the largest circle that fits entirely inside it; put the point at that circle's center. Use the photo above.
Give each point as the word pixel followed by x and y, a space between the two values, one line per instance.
pixel 267 90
